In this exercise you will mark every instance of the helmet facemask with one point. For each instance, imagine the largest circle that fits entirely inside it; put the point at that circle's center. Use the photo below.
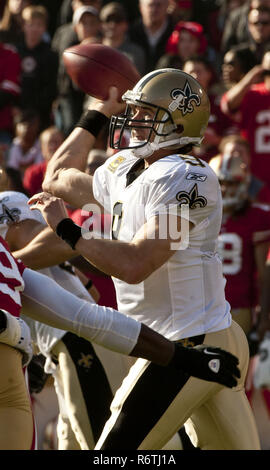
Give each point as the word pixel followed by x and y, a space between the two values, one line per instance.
pixel 163 91
pixel 159 128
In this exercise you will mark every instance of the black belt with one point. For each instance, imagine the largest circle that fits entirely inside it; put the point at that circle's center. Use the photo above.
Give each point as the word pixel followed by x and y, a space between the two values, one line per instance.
pixel 192 341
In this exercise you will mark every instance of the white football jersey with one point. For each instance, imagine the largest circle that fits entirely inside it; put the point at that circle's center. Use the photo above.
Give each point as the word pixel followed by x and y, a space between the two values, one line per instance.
pixel 184 297
pixel 14 207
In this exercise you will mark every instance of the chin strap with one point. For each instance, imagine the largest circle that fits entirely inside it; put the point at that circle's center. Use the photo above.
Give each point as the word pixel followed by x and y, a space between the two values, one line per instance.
pixel 150 147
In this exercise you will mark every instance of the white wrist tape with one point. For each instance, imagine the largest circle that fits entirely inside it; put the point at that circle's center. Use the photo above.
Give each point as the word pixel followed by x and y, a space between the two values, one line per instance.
pixel 17 334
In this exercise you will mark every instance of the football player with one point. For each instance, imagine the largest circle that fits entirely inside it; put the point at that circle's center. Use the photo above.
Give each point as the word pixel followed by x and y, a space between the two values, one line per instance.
pixel 166 207
pixel 47 302
pixel 243 245
pixel 17 429
pixel 244 237
pixel 248 103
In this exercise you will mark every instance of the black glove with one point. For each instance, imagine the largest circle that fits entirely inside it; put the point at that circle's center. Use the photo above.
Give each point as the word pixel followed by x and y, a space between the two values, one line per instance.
pixel 207 363
pixel 36 374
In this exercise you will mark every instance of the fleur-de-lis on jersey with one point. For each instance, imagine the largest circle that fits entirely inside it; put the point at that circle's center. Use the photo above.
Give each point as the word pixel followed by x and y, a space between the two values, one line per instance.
pixel 192 198
pixel 86 360
pixel 9 215
pixel 184 99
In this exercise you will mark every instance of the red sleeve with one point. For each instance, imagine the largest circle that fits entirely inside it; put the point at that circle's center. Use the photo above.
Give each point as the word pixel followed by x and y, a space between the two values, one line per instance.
pixel 11 280
pixel 11 70
pixel 19 263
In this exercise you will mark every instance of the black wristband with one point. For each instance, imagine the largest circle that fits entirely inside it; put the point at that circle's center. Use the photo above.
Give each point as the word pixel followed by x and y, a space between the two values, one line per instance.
pixel 88 284
pixel 69 232
pixel 92 121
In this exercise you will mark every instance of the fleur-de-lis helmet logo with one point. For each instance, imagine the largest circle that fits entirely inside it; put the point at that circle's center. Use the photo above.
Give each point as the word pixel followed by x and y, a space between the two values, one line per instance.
pixel 192 198
pixel 185 99
pixel 9 215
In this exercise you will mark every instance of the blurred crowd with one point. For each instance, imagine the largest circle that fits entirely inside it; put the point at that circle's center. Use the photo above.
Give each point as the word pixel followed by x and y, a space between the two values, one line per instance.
pixel 225 45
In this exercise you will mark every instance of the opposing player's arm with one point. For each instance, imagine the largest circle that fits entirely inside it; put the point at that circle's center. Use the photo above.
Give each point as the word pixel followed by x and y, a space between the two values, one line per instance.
pixel 21 233
pixel 46 249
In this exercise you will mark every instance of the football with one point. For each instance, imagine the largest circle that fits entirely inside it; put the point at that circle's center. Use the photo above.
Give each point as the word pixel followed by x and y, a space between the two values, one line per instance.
pixel 94 68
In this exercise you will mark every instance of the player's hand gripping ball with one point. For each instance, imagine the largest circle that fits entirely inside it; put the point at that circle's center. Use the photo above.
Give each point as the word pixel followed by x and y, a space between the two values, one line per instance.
pixel 94 68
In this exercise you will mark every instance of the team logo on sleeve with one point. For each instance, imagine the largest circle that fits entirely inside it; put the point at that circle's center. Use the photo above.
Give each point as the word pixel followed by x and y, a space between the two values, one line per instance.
pixel 9 215
pixel 192 198
pixel 115 163
pixel 184 99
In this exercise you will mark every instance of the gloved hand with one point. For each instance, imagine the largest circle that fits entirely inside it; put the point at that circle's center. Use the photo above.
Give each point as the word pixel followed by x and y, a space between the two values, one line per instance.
pixel 207 363
pixel 37 376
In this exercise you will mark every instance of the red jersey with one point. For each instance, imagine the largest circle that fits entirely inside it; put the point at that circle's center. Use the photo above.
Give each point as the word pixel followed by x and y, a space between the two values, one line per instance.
pixel 9 81
pixel 11 280
pixel 253 117
pixel 255 127
pixel 237 240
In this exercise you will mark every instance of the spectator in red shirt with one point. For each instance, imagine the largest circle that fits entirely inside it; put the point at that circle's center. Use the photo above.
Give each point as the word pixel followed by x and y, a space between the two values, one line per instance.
pixel 249 103
pixel 187 40
pixel 50 140
pixel 10 68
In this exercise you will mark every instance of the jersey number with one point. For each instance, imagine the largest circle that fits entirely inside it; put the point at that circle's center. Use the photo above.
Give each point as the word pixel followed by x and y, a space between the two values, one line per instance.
pixel 230 250
pixel 262 134
pixel 194 161
pixel 116 220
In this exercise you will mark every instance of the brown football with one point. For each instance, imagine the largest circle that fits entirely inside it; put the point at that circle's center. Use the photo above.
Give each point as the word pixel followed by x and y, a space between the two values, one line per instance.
pixel 94 68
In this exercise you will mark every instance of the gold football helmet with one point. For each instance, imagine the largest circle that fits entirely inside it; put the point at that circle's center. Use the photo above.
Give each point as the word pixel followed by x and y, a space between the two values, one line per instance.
pixel 180 112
